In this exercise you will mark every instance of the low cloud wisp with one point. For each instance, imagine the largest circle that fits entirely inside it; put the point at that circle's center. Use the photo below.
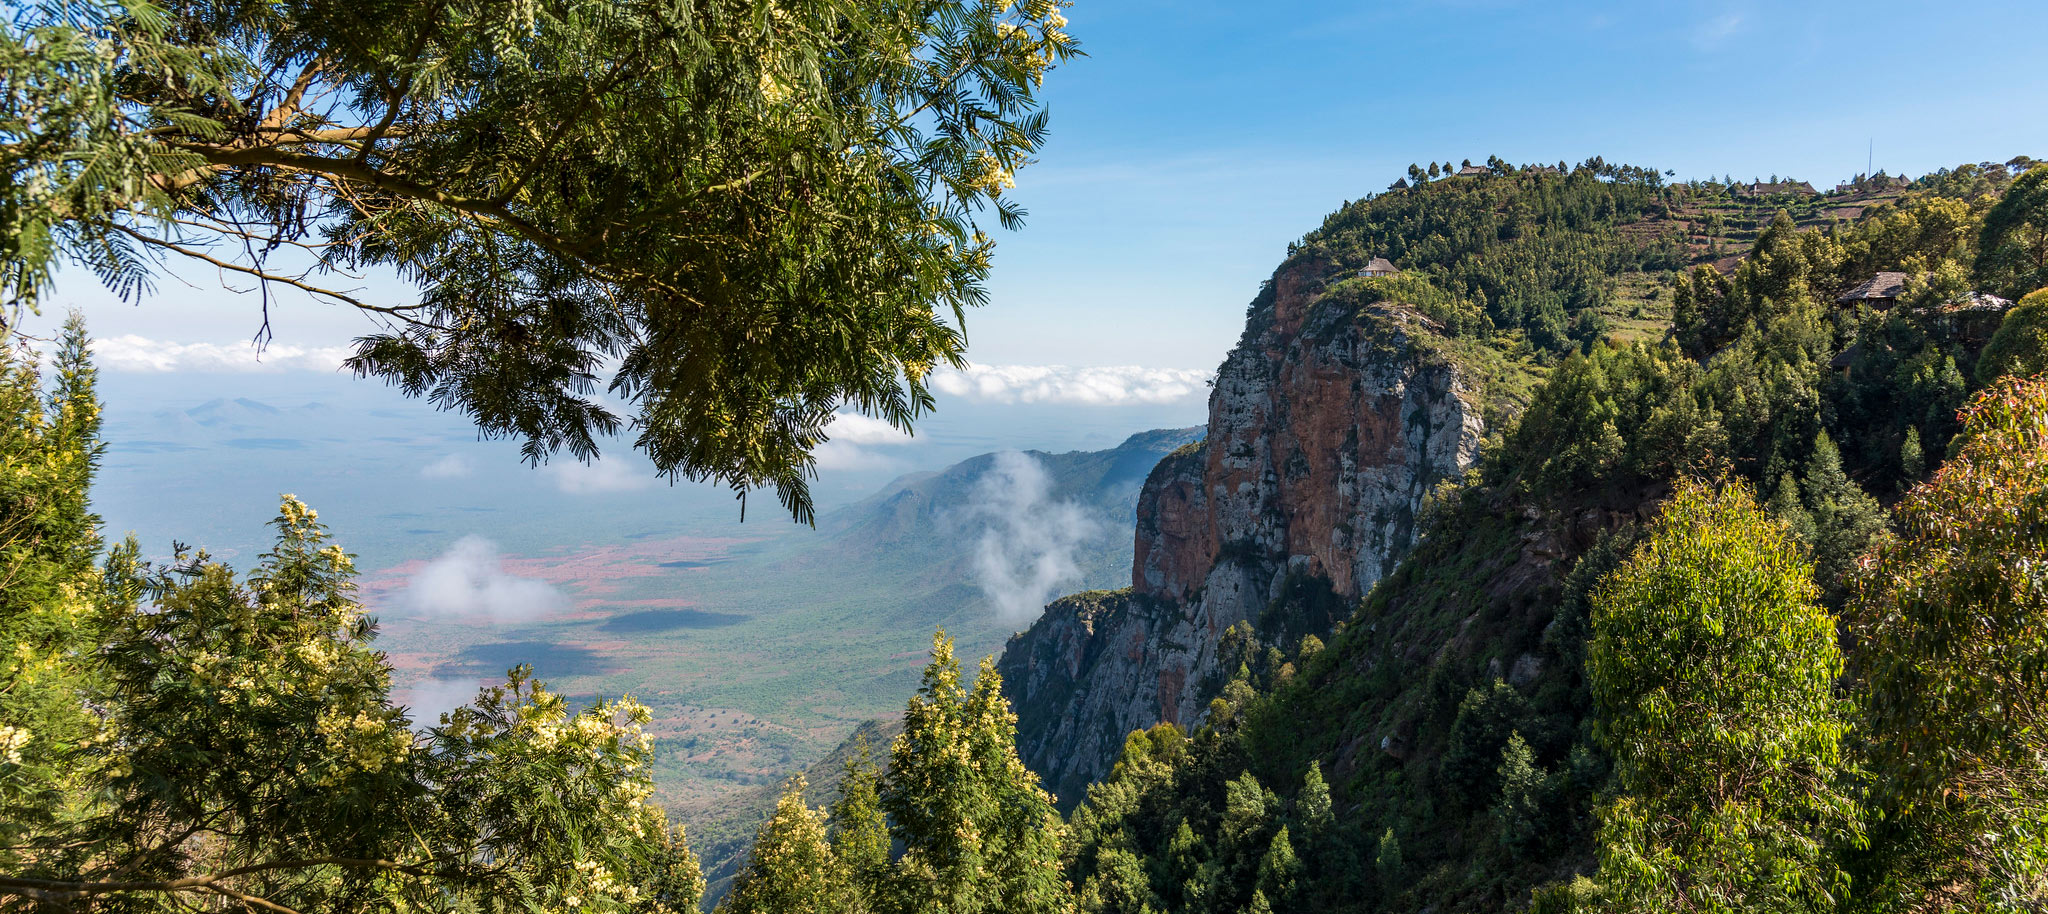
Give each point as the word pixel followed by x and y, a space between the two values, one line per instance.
pixel 1027 552
pixel 142 354
pixel 469 581
pixel 1116 385
pixel 453 466
pixel 599 477
pixel 430 698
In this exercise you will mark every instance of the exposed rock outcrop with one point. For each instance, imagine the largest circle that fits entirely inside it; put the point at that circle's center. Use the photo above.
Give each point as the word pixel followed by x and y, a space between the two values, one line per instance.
pixel 1328 425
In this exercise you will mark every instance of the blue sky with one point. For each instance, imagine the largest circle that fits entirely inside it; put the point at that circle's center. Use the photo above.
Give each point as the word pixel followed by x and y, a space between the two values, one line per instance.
pixel 1197 139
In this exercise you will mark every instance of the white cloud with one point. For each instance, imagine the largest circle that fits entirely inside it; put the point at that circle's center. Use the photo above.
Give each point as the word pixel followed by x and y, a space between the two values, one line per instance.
pixel 453 466
pixel 600 477
pixel 470 581
pixel 142 354
pixel 1118 385
pixel 1027 553
pixel 430 698
pixel 852 440
pixel 855 428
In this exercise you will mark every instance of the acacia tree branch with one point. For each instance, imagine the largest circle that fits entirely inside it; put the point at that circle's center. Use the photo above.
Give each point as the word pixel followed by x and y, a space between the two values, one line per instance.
pixel 402 312
pixel 289 106
pixel 54 889
pixel 222 158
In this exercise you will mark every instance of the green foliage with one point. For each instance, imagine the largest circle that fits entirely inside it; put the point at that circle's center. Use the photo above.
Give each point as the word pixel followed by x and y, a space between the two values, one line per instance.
pixel 253 752
pixel 1714 669
pixel 2020 347
pixel 2013 243
pixel 792 869
pixel 1487 719
pixel 1312 806
pixel 1912 460
pixel 1844 520
pixel 1387 860
pixel 860 832
pixel 753 213
pixel 1519 810
pixel 1528 252
pixel 1279 869
pixel 1952 624
pixel 978 834
pixel 53 601
pixel 1571 439
pixel 182 734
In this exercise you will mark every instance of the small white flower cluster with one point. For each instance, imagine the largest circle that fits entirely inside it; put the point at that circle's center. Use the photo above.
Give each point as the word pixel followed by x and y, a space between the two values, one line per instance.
pixel 12 740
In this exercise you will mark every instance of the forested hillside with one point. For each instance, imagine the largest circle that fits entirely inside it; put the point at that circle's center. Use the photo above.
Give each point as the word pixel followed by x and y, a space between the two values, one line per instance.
pixel 1553 690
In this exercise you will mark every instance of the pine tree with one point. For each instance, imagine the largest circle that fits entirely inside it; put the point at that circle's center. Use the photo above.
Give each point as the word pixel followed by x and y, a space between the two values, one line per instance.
pixel 860 832
pixel 1845 518
pixel 1246 809
pixel 1912 463
pixel 1279 869
pixel 1387 863
pixel 1785 505
pixel 792 869
pixel 1714 670
pixel 1313 808
pixel 1519 811
pixel 978 833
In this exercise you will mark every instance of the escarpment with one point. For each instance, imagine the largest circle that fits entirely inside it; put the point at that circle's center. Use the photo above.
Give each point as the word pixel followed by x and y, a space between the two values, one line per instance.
pixel 1328 424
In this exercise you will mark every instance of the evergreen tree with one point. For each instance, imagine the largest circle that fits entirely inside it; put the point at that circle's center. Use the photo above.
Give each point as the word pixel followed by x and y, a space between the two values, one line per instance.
pixel 1313 808
pixel 792 868
pixel 178 735
pixel 52 600
pixel 1786 506
pixel 1845 518
pixel 1519 810
pixel 1279 869
pixel 1952 625
pixel 978 833
pixel 1912 462
pixel 1714 669
pixel 1388 863
pixel 860 832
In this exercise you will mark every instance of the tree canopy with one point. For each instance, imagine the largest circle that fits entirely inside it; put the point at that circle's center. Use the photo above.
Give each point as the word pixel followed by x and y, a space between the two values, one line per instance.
pixel 173 734
pixel 1952 631
pixel 749 214
pixel 1714 667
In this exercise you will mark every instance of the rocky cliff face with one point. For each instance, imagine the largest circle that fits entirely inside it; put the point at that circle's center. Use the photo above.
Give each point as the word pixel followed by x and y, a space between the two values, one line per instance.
pixel 1327 426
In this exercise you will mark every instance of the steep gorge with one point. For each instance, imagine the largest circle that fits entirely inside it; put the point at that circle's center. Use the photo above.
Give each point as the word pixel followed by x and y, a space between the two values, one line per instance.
pixel 1332 419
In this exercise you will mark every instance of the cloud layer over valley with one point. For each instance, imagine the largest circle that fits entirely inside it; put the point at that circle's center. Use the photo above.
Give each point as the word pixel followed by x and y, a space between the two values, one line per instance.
pixel 1117 385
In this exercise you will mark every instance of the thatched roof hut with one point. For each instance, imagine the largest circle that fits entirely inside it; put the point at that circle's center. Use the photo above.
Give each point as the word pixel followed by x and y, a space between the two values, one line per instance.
pixel 1882 290
pixel 1379 266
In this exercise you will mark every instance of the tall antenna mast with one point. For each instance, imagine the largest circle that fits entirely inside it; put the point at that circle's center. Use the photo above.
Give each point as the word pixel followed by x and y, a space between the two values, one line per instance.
pixel 1870 157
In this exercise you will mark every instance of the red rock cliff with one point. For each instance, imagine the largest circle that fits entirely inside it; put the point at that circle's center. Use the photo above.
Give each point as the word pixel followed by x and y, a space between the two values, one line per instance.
pixel 1327 426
